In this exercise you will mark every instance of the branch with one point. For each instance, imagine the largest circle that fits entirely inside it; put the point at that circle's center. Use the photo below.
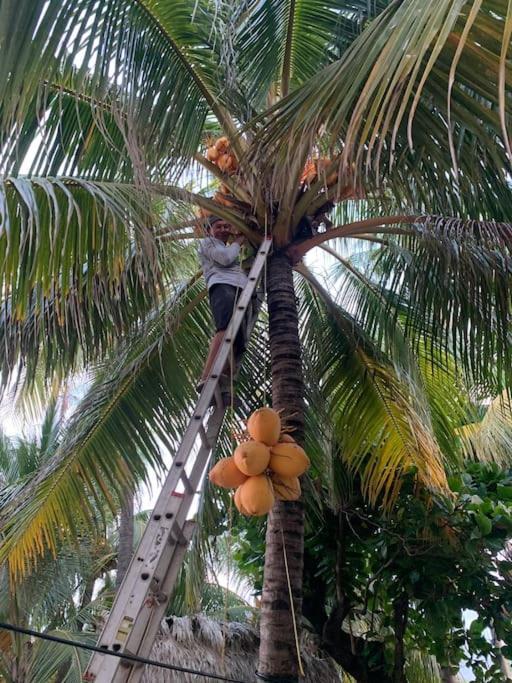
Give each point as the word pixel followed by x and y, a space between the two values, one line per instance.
pixel 228 215
pixel 287 59
pixel 297 251
pixel 235 188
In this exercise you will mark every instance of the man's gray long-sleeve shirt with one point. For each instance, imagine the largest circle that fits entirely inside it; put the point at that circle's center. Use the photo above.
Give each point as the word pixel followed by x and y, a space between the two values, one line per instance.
pixel 220 263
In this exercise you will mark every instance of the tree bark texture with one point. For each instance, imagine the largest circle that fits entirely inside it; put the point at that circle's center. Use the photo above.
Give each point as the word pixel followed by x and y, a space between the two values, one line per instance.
pixel 278 655
pixel 125 549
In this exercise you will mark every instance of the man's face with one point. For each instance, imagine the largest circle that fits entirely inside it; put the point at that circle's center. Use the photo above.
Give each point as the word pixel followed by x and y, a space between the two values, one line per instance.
pixel 221 230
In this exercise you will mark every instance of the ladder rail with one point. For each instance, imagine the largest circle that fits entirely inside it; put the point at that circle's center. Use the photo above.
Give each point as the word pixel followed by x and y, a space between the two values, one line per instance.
pixel 142 598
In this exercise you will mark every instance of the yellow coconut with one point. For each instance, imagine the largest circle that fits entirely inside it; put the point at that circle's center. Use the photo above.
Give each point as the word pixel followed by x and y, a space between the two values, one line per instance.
pixel 226 474
pixel 252 457
pixel 222 144
pixel 238 503
pixel 322 165
pixel 232 163
pixel 288 460
pixel 286 438
pixel 264 425
pixel 286 488
pixel 212 153
pixel 256 495
pixel 309 173
pixel 224 162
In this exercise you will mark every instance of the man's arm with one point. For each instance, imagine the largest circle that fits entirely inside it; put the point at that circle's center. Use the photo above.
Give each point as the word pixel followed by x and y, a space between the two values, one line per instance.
pixel 224 255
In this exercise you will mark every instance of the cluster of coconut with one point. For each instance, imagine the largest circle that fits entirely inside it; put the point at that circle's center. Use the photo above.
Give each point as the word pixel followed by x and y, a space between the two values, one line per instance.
pixel 219 153
pixel 316 169
pixel 263 468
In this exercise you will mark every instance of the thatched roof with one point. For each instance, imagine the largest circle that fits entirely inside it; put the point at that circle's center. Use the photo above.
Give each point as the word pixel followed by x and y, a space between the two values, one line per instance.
pixel 229 649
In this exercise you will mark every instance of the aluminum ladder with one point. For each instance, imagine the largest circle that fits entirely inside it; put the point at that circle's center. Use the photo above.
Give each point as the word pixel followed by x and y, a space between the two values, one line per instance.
pixel 142 598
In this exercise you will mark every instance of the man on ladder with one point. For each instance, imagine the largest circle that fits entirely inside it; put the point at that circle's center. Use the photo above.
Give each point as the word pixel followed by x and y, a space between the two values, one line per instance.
pixel 219 254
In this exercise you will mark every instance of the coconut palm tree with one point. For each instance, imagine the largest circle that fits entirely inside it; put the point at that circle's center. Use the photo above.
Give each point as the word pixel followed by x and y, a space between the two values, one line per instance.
pixel 383 122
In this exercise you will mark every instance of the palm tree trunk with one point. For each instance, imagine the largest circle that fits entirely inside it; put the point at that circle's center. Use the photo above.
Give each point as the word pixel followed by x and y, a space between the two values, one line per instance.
pixel 125 548
pixel 278 660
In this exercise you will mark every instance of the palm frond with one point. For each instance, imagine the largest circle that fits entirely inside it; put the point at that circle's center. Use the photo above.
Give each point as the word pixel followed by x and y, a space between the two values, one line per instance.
pixel 137 406
pixel 422 668
pixel 381 435
pixel 117 41
pixel 437 391
pixel 77 130
pixel 411 56
pixel 452 281
pixel 418 177
pixel 285 43
pixel 70 252
pixel 48 660
pixel 490 439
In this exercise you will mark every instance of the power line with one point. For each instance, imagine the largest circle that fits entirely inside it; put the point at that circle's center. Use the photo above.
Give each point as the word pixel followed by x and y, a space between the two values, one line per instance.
pixel 132 658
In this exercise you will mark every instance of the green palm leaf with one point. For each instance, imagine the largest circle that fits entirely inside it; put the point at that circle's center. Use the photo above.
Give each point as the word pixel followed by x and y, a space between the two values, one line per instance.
pixel 70 251
pixel 138 405
pixel 452 279
pixel 413 55
pixel 373 412
pixel 449 282
pixel 119 39
pixel 283 44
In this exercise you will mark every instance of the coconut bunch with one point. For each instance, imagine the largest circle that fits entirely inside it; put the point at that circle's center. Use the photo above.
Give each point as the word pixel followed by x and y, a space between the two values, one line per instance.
pixel 220 154
pixel 265 467
pixel 316 169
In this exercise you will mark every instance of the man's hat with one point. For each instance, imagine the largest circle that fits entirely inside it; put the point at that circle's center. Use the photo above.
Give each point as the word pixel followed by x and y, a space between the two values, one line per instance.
pixel 211 220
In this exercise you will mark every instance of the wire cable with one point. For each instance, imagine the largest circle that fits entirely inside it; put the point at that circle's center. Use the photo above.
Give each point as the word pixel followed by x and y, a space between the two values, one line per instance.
pixel 121 655
pixel 292 605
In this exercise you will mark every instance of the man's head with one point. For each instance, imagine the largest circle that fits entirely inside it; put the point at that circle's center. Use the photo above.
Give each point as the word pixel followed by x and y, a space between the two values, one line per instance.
pixel 219 228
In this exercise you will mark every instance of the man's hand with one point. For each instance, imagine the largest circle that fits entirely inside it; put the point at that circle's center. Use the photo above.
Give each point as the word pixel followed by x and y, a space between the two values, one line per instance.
pixel 239 238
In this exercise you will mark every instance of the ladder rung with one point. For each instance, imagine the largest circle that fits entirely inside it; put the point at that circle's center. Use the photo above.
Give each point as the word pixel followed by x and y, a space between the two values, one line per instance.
pixel 204 437
pixel 177 535
pixel 218 398
pixel 186 483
